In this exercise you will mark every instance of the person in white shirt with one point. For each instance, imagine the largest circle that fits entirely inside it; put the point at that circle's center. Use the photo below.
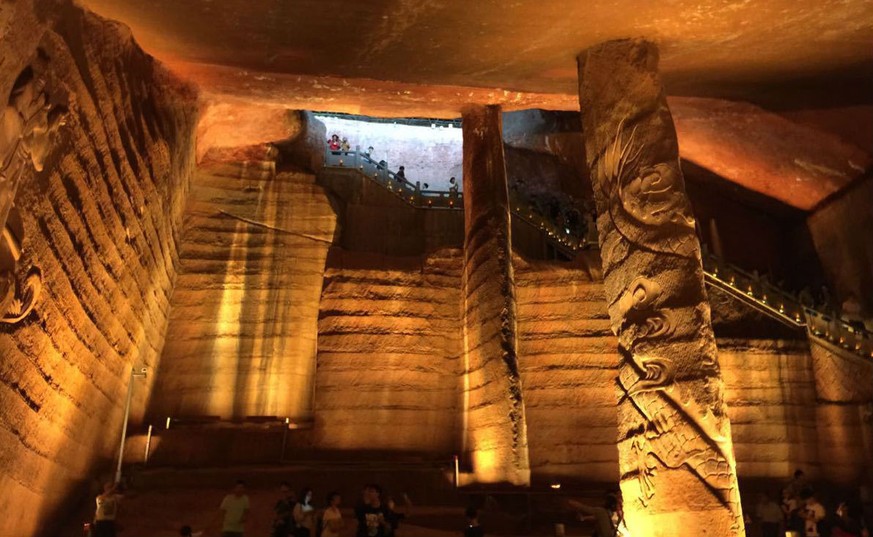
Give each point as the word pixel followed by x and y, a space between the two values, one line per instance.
pixel 814 513
pixel 236 508
pixel 332 519
pixel 304 515
pixel 107 511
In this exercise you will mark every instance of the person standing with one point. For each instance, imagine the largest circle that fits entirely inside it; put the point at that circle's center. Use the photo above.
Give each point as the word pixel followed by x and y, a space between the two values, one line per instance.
pixel 283 525
pixel 608 520
pixel 401 175
pixel 107 511
pixel 235 507
pixel 814 513
pixel 304 515
pixel 473 528
pixel 769 515
pixel 372 519
pixel 332 518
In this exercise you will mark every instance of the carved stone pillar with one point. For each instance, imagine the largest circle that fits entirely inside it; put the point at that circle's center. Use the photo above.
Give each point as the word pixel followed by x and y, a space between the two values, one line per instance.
pixel 496 434
pixel 675 452
pixel 27 124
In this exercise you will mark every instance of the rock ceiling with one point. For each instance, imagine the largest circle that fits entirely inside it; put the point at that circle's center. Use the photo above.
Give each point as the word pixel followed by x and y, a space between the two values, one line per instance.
pixel 433 57
pixel 709 47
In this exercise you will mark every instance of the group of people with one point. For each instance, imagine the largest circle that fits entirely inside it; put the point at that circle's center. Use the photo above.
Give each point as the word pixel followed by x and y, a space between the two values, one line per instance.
pixel 801 514
pixel 337 144
pixel 296 516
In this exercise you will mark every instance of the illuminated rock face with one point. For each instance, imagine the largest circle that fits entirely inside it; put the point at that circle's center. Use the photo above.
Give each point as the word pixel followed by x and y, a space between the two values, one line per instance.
pixel 847 254
pixel 844 412
pixel 100 217
pixel 242 334
pixel 389 354
pixel 676 458
pixel 568 364
pixel 494 417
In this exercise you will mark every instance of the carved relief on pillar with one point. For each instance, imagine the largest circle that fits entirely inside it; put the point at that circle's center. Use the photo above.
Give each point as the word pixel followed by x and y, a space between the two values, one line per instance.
pixel 675 450
pixel 27 127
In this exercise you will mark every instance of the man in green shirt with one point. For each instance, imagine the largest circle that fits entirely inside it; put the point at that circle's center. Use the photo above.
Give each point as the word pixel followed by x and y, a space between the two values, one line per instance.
pixel 235 507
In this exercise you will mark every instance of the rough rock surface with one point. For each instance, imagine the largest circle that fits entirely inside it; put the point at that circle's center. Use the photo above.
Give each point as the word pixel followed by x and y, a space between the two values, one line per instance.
pixel 102 221
pixel 676 458
pixel 839 230
pixel 568 365
pixel 764 152
pixel 243 327
pixel 495 426
pixel 710 46
pixel 389 354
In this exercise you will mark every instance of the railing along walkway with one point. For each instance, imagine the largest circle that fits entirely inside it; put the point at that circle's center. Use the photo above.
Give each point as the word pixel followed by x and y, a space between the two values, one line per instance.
pixel 787 308
pixel 562 239
pixel 751 289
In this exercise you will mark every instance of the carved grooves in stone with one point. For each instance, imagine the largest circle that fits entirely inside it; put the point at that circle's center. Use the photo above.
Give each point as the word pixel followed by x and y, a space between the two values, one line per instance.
pixel 389 347
pixel 496 432
pixel 568 365
pixel 100 222
pixel 242 336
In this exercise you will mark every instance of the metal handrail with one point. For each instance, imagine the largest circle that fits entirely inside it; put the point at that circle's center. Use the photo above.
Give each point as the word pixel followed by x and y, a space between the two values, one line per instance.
pixel 749 287
pixel 560 238
pixel 787 308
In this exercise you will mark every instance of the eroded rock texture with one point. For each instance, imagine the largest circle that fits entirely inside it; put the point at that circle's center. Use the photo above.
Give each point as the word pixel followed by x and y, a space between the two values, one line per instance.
pixel 496 433
pixel 845 398
pixel 676 458
pixel 242 334
pixel 568 364
pixel 389 353
pixel 845 252
pixel 100 217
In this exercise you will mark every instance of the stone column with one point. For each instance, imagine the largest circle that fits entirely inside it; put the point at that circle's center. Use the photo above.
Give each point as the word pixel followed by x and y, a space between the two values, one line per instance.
pixel 678 474
pixel 496 434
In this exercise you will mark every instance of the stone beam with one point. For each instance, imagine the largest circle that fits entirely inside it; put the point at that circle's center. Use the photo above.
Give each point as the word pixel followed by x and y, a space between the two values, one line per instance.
pixel 366 96
pixel 676 457
pixel 496 433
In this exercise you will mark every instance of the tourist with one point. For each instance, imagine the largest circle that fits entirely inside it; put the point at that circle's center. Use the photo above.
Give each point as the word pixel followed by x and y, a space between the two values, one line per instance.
pixel 344 146
pixel 813 513
pixel 334 143
pixel 369 152
pixel 473 528
pixel 608 520
pixel 393 516
pixel 371 514
pixel 235 507
pixel 769 515
pixel 304 515
pixel 453 186
pixel 401 175
pixel 849 522
pixel 107 510
pixel 332 518
pixel 283 524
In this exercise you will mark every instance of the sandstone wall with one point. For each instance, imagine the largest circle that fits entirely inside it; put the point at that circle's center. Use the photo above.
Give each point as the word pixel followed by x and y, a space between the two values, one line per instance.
pixel 102 222
pixel 242 333
pixel 770 393
pixel 568 362
pixel 839 231
pixel 389 347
